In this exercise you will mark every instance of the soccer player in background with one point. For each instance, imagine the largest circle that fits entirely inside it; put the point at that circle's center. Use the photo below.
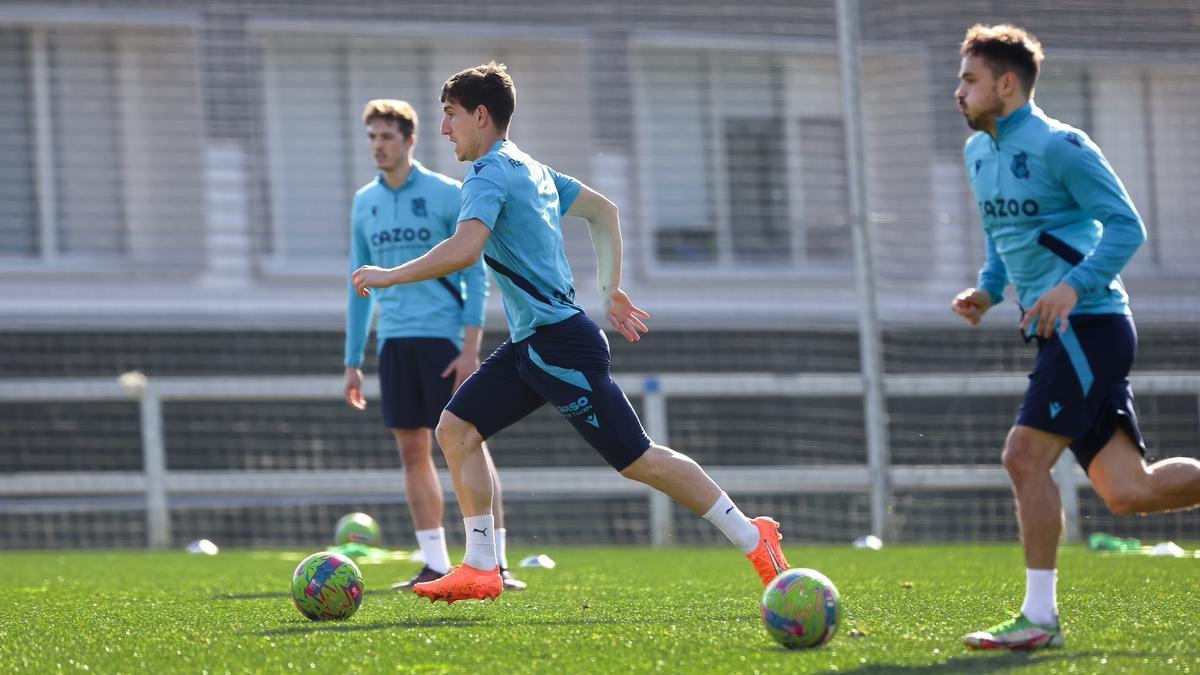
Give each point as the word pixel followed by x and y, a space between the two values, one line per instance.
pixel 428 333
pixel 512 206
pixel 1060 227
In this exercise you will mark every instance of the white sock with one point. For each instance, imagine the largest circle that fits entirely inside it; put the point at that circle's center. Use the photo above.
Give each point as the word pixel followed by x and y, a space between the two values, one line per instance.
pixel 433 549
pixel 733 523
pixel 1041 601
pixel 502 546
pixel 481 542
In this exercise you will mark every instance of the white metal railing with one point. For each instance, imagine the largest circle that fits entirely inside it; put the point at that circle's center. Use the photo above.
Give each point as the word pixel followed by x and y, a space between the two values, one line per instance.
pixel 156 484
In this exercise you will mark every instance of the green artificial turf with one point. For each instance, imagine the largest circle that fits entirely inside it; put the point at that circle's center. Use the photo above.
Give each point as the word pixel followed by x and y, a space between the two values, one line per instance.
pixel 605 610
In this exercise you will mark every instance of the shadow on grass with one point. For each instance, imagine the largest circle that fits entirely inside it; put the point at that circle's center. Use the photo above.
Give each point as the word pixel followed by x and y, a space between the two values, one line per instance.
pixel 343 627
pixel 285 596
pixel 999 662
pixel 457 622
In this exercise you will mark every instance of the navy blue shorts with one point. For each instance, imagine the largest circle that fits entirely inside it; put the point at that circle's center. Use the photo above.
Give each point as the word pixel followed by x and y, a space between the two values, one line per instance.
pixel 566 364
pixel 411 387
pixel 1079 387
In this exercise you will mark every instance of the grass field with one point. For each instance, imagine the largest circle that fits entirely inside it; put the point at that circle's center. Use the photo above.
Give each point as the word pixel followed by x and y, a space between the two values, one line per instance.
pixel 601 610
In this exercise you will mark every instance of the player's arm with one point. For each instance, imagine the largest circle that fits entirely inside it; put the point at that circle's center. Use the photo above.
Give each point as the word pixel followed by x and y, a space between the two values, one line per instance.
pixel 972 303
pixel 604 225
pixel 1095 187
pixel 459 252
pixel 1099 192
pixel 358 318
pixel 467 361
pixel 476 282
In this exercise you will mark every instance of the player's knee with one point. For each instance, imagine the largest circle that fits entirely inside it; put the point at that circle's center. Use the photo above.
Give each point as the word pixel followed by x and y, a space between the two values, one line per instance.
pixel 415 453
pixel 1017 460
pixel 648 468
pixel 454 433
pixel 1025 458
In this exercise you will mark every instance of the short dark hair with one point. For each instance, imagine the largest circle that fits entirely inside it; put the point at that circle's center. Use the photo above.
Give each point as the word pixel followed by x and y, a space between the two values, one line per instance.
pixel 488 85
pixel 396 110
pixel 1005 47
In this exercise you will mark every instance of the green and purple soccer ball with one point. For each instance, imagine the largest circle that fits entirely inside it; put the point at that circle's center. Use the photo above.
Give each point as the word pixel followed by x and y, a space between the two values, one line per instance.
pixel 327 586
pixel 801 609
pixel 356 528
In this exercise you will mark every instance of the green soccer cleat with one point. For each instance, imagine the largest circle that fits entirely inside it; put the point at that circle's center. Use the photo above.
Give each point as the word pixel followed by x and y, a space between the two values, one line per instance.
pixel 1016 633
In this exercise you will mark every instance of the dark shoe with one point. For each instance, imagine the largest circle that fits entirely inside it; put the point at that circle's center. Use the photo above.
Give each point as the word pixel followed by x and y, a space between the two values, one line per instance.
pixel 511 583
pixel 426 574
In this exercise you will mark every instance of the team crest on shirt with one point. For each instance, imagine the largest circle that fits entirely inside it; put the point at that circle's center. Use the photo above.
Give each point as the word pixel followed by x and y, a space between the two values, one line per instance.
pixel 418 207
pixel 1020 165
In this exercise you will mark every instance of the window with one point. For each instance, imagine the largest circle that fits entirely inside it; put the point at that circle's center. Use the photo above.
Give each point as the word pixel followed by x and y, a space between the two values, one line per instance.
pixel 101 140
pixel 826 188
pixel 317 84
pixel 758 207
pixel 743 157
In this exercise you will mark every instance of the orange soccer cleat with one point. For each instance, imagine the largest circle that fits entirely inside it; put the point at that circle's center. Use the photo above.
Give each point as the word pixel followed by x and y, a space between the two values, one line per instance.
pixel 463 582
pixel 768 558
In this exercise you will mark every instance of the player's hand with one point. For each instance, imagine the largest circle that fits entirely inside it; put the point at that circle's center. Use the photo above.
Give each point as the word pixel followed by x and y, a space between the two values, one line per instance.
pixel 971 305
pixel 1051 310
pixel 461 368
pixel 623 316
pixel 353 389
pixel 369 276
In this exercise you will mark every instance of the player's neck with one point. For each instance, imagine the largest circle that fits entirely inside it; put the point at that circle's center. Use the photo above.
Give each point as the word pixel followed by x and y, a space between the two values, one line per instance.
pixel 486 141
pixel 399 175
pixel 1010 107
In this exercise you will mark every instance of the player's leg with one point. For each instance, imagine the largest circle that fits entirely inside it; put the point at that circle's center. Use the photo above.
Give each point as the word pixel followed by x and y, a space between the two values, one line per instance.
pixel 676 475
pixel 462 445
pixel 1054 410
pixel 1029 456
pixel 490 400
pixel 423 492
pixel 1129 486
pixel 511 582
pixel 686 482
pixel 402 399
pixel 421 486
pixel 568 364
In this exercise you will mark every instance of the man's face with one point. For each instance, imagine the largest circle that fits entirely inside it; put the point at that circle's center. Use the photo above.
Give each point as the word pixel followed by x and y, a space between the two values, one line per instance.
pixel 977 96
pixel 459 126
pixel 389 147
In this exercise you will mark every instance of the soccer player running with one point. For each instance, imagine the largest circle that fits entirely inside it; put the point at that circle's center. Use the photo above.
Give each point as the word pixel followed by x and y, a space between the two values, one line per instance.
pixel 429 333
pixel 512 206
pixel 1060 226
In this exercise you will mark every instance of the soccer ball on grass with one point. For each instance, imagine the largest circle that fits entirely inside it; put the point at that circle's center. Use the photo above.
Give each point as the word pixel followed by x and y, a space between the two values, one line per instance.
pixel 327 585
pixel 801 609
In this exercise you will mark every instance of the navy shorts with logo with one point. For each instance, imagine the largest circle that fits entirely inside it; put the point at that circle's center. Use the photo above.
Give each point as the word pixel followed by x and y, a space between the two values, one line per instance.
pixel 411 387
pixel 566 364
pixel 1079 387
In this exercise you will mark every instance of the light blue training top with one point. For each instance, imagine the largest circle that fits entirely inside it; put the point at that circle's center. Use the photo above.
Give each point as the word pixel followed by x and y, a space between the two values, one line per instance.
pixel 522 202
pixel 391 227
pixel 1053 211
